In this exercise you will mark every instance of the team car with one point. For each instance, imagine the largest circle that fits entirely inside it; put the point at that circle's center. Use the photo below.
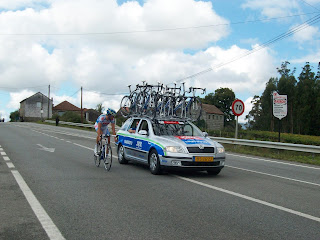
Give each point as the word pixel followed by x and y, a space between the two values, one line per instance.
pixel 168 144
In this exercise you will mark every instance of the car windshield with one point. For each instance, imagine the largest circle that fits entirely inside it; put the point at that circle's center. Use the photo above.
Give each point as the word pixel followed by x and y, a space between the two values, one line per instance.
pixel 172 128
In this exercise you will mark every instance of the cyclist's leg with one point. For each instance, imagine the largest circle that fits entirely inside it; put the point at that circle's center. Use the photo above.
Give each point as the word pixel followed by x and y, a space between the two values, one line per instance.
pixel 98 139
pixel 107 134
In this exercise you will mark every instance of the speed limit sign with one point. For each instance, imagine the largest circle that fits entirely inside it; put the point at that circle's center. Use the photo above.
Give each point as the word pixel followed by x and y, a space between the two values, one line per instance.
pixel 237 107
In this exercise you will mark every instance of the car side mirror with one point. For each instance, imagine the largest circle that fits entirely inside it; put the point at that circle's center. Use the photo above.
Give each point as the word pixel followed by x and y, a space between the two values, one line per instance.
pixel 205 134
pixel 143 132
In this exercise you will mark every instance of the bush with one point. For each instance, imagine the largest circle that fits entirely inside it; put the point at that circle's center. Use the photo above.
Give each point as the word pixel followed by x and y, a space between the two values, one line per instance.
pixel 269 136
pixel 72 117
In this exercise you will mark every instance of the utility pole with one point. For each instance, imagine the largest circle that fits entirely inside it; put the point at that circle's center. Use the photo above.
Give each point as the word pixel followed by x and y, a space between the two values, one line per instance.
pixel 49 102
pixel 81 108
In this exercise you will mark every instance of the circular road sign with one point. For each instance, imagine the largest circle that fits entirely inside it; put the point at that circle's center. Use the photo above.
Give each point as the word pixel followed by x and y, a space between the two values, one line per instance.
pixel 237 107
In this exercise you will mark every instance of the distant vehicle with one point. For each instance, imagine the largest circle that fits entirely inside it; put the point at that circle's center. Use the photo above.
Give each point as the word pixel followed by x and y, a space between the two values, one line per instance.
pixel 168 144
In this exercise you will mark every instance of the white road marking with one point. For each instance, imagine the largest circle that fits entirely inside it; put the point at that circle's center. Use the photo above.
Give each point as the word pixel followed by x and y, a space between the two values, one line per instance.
pixel 92 149
pixel 6 158
pixel 251 199
pixel 10 165
pixel 46 149
pixel 83 146
pixel 284 163
pixel 1 149
pixel 46 222
pixel 291 179
pixel 3 153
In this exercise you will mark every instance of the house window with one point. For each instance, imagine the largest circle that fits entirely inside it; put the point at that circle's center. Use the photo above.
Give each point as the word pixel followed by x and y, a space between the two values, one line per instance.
pixel 208 116
pixel 38 104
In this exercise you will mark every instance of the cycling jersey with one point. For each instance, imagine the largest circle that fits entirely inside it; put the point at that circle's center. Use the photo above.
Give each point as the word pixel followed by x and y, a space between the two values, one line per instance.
pixel 104 124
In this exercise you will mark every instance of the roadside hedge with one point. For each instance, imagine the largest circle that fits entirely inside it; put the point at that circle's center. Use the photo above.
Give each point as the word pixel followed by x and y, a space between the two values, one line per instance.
pixel 269 136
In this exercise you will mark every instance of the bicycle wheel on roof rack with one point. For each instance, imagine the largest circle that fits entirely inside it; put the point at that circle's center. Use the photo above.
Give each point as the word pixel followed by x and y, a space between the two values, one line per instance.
pixel 140 101
pixel 125 106
pixel 194 109
pixel 178 110
pixel 150 104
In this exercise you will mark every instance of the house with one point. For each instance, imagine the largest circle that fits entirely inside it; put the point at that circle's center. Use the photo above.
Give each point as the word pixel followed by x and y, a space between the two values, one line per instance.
pixel 213 117
pixel 65 106
pixel 36 107
pixel 90 115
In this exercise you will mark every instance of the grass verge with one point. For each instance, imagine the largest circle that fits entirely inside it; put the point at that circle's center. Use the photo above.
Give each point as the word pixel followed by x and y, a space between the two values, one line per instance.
pixel 293 156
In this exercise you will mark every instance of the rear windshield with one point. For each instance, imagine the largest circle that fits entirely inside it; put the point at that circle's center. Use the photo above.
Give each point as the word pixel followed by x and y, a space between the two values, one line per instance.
pixel 185 129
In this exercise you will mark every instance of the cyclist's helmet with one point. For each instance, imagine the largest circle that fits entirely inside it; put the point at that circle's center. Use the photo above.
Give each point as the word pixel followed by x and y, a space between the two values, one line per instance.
pixel 111 112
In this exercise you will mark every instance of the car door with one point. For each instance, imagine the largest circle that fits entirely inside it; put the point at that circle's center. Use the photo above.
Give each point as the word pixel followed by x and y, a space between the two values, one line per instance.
pixel 130 139
pixel 142 141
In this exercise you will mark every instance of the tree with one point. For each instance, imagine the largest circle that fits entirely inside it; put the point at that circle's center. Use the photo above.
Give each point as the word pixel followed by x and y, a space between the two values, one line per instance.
pixel 266 120
pixel 100 108
pixel 306 101
pixel 208 99
pixel 254 115
pixel 222 98
pixel 14 116
pixel 287 86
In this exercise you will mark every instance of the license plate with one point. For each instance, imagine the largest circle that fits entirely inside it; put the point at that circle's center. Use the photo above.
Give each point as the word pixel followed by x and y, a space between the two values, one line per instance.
pixel 203 159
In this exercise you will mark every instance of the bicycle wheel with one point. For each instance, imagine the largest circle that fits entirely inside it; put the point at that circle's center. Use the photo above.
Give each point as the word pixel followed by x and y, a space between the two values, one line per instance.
pixel 108 157
pixel 194 109
pixel 140 101
pixel 125 106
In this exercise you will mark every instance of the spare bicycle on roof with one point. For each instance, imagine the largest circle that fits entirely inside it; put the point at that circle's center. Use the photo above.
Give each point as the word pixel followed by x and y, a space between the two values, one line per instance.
pixel 159 102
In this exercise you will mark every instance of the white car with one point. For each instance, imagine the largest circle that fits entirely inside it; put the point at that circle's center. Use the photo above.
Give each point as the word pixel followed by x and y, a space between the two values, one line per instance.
pixel 168 144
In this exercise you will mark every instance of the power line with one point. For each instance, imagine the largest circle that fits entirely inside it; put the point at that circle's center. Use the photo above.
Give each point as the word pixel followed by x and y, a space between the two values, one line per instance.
pixel 310 5
pixel 153 30
pixel 75 93
pixel 294 30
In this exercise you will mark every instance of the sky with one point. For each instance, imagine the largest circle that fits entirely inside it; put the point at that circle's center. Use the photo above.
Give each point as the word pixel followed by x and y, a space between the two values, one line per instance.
pixel 105 45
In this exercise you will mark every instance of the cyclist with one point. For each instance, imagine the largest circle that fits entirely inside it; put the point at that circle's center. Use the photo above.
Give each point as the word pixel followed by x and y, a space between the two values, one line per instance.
pixel 101 127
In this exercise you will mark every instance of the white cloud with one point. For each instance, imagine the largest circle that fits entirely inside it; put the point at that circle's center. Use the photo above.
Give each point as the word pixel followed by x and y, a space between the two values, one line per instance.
pixel 17 97
pixel 272 8
pixel 247 108
pixel 17 4
pixel 95 60
pixel 313 58
pixel 307 34
pixel 247 74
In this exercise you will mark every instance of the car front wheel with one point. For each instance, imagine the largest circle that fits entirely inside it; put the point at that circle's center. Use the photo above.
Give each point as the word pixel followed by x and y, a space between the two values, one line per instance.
pixel 154 163
pixel 121 157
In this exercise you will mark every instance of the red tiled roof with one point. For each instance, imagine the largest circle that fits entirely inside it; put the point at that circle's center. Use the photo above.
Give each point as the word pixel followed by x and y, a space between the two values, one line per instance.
pixel 208 108
pixel 66 106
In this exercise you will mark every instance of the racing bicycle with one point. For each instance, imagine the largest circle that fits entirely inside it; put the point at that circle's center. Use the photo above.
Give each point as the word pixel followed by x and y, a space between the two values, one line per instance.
pixel 104 153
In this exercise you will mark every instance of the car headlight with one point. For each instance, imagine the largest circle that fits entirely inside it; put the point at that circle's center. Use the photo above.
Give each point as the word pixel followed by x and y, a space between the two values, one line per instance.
pixel 220 149
pixel 174 149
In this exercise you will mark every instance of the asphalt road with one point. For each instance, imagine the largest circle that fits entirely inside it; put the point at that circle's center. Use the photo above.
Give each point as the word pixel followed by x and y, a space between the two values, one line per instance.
pixel 51 189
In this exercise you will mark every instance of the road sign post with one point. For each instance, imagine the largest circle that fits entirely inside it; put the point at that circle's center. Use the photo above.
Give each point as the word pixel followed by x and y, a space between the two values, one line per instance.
pixel 280 108
pixel 237 109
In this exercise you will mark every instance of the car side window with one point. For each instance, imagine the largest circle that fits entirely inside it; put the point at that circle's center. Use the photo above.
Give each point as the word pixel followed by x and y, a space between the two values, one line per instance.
pixel 125 125
pixel 144 126
pixel 134 126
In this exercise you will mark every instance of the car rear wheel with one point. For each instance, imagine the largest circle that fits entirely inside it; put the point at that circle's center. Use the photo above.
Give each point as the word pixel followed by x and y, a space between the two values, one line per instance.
pixel 154 163
pixel 121 157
